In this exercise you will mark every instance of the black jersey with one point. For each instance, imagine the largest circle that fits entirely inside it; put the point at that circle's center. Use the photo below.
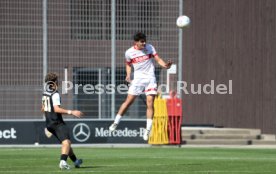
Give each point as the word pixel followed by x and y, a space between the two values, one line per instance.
pixel 52 118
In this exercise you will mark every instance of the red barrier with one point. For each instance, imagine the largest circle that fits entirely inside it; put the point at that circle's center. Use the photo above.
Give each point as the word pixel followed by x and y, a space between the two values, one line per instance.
pixel 174 106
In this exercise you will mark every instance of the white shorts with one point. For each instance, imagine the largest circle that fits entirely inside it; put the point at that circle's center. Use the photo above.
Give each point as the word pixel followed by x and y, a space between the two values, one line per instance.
pixel 140 86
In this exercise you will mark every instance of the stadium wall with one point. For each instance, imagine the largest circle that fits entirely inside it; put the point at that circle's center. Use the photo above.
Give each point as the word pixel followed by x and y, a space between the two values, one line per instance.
pixel 231 40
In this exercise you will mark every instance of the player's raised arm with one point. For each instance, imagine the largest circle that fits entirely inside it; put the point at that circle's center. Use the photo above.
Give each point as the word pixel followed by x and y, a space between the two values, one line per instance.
pixel 161 62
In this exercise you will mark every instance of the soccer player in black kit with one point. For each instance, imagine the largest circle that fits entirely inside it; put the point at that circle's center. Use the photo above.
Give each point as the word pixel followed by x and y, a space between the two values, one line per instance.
pixel 54 122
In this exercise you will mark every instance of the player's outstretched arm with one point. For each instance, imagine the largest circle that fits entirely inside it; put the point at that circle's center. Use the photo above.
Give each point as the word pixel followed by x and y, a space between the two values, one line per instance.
pixel 161 62
pixel 77 113
pixel 60 110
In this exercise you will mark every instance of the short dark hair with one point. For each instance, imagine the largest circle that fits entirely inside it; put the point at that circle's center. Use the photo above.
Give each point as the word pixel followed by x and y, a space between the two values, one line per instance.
pixel 51 77
pixel 139 36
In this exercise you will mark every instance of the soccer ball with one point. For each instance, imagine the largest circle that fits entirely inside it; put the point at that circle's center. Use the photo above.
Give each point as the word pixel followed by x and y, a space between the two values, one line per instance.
pixel 183 21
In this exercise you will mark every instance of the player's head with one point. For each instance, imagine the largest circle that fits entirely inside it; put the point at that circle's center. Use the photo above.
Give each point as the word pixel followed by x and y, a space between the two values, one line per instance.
pixel 140 40
pixel 139 36
pixel 51 79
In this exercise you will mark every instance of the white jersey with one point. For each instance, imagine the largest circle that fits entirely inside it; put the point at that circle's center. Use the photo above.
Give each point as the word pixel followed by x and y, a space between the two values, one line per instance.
pixel 56 99
pixel 141 61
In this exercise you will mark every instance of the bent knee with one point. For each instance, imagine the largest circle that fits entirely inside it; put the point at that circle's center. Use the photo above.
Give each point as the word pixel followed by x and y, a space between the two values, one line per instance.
pixel 66 142
pixel 150 103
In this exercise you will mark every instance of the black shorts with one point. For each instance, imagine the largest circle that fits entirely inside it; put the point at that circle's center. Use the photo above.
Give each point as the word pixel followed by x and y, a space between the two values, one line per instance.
pixel 60 131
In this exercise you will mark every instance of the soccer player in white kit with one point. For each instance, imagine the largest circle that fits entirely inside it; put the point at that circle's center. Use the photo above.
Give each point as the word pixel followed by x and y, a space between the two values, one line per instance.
pixel 141 57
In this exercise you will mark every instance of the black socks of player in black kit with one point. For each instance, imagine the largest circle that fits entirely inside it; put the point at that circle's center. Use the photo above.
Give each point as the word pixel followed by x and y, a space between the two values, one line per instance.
pixel 63 157
pixel 73 158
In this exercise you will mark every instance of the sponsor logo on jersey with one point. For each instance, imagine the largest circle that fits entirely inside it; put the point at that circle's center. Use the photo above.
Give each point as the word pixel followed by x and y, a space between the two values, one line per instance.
pixel 141 58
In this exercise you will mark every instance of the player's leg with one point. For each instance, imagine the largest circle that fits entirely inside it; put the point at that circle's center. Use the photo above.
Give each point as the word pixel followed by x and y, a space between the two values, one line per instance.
pixel 150 104
pixel 129 100
pixel 151 92
pixel 136 88
pixel 47 133
pixel 150 113
pixel 123 108
pixel 72 156
pixel 61 132
pixel 65 147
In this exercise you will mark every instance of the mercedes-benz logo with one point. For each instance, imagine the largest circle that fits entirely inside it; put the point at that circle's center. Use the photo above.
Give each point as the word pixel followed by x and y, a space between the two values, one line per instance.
pixel 81 132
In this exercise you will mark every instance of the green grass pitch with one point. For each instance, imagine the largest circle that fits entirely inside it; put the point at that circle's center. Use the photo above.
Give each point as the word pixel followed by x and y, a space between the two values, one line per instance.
pixel 142 160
